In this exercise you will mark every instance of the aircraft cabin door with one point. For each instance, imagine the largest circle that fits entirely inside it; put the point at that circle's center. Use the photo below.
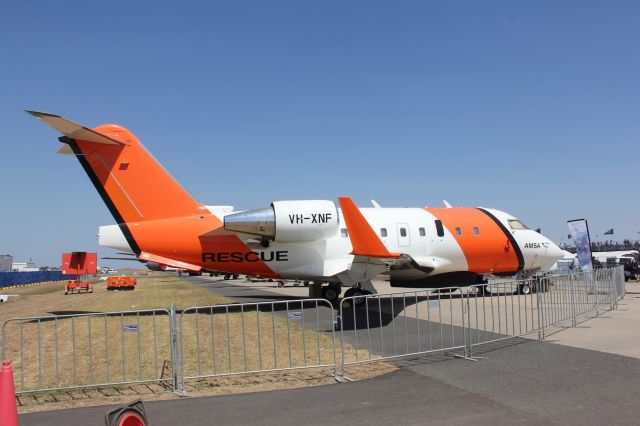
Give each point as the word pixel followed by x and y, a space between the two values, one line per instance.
pixel 404 240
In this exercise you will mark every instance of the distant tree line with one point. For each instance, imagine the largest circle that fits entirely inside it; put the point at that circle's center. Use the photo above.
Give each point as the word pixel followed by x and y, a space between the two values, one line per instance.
pixel 608 246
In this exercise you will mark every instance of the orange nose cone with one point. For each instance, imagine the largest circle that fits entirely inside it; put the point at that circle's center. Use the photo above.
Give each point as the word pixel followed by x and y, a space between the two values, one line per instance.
pixel 117 132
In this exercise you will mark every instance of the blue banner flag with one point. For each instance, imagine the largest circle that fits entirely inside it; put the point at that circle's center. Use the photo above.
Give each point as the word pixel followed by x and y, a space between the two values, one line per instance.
pixel 580 232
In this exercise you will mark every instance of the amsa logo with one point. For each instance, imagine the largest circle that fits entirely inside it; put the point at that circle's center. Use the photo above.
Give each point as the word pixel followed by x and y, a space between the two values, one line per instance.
pixel 536 245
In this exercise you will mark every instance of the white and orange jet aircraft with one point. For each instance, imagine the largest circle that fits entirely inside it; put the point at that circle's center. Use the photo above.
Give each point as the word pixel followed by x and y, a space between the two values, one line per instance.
pixel 313 240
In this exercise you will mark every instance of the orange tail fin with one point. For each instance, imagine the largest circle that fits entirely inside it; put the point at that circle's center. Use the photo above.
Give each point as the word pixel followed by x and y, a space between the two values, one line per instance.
pixel 133 185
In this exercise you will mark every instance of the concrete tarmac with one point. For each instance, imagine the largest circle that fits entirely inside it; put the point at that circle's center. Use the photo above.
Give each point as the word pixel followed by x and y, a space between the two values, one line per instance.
pixel 616 332
pixel 518 381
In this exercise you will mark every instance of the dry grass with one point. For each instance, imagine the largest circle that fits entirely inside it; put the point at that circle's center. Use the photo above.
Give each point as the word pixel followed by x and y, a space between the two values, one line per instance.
pixel 98 347
pixel 220 342
pixel 155 291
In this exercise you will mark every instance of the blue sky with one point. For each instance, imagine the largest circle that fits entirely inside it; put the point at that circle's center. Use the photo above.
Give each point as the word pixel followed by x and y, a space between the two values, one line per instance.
pixel 526 106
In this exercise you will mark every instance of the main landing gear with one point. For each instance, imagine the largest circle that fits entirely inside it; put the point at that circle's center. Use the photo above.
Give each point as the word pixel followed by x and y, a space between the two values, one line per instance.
pixel 357 293
pixel 332 292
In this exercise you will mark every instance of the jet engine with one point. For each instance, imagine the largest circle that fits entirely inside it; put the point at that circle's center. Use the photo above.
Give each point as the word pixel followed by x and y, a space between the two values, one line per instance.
pixel 287 221
pixel 155 266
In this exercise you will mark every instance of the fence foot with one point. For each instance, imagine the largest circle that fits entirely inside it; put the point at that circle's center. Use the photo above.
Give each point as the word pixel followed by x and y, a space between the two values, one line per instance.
pixel 341 377
pixel 469 358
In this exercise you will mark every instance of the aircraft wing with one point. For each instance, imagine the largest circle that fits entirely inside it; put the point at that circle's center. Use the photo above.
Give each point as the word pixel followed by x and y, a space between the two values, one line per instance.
pixel 148 257
pixel 120 258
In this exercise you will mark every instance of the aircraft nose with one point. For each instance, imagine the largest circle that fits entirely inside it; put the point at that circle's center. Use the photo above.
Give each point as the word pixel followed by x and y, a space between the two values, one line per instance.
pixel 554 253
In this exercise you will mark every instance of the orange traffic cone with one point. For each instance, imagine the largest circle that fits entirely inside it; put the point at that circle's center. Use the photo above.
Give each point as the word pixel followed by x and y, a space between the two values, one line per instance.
pixel 8 410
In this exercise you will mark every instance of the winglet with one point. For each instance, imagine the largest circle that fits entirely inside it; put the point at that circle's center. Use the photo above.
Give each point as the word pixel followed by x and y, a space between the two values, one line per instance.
pixel 364 240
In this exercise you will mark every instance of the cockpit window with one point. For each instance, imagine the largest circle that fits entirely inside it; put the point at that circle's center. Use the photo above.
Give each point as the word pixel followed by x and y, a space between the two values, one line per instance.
pixel 516 224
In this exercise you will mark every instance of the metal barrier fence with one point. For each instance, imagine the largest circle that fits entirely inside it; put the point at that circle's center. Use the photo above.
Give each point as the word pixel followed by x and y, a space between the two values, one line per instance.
pixel 98 349
pixel 232 339
pixel 387 326
pixel 384 326
pixel 88 350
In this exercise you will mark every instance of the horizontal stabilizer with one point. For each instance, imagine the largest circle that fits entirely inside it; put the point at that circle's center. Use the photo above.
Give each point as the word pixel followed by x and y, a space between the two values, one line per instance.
pixel 364 240
pixel 73 130
pixel 65 149
pixel 148 257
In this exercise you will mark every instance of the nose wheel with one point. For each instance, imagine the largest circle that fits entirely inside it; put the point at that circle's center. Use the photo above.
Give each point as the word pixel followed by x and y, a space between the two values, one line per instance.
pixel 523 289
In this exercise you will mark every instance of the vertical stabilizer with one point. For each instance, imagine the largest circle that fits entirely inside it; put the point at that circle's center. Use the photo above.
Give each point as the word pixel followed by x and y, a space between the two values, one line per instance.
pixel 133 185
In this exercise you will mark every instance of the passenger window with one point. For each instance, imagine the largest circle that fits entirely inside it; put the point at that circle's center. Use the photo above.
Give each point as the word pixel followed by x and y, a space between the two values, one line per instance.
pixel 403 232
pixel 344 233
pixel 458 231
pixel 439 228
pixel 476 231
pixel 422 232
pixel 383 232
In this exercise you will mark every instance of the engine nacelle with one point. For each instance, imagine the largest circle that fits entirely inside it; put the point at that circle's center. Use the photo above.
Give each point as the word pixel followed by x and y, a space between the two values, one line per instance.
pixel 155 266
pixel 288 221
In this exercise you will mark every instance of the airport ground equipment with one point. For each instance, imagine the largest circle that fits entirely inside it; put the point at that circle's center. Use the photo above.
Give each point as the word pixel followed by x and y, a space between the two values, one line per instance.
pixel 79 263
pixel 280 283
pixel 77 287
pixel 124 282
pixel 4 298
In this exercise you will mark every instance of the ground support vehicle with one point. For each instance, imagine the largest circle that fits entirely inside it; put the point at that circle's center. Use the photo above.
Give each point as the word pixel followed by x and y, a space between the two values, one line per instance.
pixel 77 287
pixel 121 283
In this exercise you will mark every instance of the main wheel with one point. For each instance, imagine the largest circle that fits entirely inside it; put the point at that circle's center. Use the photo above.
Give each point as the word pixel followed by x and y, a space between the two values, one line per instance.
pixel 235 276
pixel 227 277
pixel 331 293
pixel 357 294
pixel 280 284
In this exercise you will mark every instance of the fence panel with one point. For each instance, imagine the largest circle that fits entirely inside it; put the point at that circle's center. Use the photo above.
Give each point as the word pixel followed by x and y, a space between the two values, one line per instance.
pixel 502 310
pixel 383 326
pixel 240 338
pixel 86 350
